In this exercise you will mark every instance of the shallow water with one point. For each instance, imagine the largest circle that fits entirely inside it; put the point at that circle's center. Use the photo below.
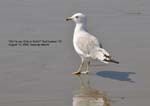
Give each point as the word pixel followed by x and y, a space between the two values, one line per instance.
pixel 88 96
pixel 41 75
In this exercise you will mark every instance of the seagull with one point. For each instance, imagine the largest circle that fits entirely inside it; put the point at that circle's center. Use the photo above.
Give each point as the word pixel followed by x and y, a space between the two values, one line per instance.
pixel 87 45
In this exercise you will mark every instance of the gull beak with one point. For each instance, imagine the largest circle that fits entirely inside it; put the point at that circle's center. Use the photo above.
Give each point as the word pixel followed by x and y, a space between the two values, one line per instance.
pixel 68 19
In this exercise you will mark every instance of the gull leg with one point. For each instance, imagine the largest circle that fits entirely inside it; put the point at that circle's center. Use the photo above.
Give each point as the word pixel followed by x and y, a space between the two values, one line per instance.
pixel 79 69
pixel 87 68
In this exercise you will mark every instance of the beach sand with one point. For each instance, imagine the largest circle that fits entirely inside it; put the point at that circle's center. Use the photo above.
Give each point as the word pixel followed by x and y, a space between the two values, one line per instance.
pixel 32 75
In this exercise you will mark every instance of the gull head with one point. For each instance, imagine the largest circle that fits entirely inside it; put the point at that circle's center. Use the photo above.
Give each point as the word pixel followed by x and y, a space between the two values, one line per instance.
pixel 77 18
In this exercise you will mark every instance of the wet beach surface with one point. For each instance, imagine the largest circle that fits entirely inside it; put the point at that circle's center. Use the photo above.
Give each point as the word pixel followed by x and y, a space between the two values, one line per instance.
pixel 41 75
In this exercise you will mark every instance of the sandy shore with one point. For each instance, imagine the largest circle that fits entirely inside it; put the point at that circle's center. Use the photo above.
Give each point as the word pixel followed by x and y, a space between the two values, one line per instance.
pixel 41 75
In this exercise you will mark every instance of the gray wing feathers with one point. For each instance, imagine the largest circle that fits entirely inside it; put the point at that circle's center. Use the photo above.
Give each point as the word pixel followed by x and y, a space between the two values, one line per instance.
pixel 87 44
pixel 100 44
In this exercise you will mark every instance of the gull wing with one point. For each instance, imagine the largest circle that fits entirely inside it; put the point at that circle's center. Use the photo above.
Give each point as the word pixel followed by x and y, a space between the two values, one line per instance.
pixel 87 43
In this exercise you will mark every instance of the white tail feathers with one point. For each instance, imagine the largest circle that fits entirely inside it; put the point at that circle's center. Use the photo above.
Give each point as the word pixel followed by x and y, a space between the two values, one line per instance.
pixel 104 56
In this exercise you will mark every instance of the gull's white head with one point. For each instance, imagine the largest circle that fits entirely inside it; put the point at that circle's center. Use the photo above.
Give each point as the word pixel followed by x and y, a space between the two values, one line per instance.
pixel 77 18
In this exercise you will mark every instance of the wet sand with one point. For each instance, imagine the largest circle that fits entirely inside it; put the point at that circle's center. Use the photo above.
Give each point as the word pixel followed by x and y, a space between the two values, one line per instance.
pixel 35 76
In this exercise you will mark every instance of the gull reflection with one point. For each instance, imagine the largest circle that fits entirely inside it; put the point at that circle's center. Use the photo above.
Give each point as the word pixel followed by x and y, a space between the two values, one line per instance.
pixel 87 96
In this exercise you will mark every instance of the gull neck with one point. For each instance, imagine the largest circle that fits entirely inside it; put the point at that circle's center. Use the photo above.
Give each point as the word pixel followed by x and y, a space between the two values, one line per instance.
pixel 80 27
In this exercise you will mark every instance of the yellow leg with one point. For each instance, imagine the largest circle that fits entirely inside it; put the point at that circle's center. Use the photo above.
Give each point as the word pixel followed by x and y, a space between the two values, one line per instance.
pixel 79 69
pixel 87 68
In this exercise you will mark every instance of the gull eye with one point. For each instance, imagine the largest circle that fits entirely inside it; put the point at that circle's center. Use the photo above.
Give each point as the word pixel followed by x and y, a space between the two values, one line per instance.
pixel 77 16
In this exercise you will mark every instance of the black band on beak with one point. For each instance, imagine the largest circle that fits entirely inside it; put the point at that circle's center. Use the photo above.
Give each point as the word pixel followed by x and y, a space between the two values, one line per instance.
pixel 68 19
